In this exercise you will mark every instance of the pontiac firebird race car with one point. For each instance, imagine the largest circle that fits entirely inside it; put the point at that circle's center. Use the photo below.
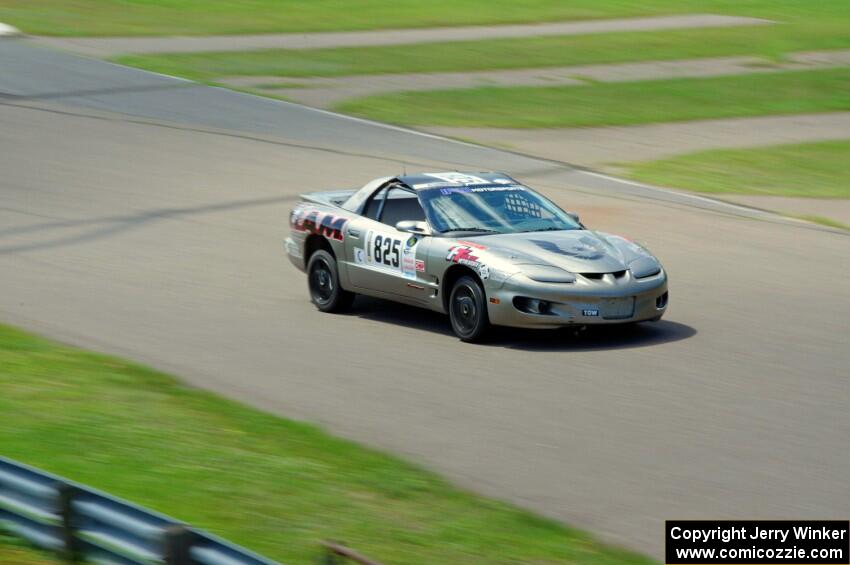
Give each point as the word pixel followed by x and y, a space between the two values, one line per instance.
pixel 481 247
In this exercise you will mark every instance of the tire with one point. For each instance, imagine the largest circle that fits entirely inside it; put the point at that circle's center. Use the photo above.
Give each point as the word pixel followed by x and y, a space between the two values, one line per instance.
pixel 323 283
pixel 468 310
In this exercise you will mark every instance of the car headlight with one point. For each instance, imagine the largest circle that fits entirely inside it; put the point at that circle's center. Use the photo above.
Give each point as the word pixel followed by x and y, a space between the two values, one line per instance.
pixel 644 267
pixel 548 274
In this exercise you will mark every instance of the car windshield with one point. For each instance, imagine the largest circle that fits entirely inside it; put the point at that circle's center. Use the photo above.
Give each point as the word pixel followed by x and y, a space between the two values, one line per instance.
pixel 492 209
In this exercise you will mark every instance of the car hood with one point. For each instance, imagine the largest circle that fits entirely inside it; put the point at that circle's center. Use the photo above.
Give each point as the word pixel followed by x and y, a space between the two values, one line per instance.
pixel 577 251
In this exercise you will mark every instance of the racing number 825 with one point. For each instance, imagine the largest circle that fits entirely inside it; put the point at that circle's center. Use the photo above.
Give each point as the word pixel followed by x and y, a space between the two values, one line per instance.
pixel 386 251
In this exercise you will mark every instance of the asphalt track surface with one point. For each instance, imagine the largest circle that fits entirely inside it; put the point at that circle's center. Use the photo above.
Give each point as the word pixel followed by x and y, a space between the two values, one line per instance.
pixel 144 216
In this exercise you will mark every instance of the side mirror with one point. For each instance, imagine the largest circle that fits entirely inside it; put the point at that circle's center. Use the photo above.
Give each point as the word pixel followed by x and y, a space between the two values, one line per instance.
pixel 574 216
pixel 412 226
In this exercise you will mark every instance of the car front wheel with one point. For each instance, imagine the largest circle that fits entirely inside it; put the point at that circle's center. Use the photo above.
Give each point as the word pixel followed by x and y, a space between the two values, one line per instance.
pixel 468 310
pixel 323 281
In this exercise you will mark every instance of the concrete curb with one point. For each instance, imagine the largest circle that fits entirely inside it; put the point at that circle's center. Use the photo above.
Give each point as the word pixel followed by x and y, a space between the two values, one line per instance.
pixel 7 30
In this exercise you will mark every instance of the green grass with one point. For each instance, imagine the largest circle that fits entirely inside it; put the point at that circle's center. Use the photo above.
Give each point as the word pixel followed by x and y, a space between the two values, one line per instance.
pixel 202 17
pixel 820 170
pixel 11 555
pixel 273 485
pixel 768 41
pixel 198 17
pixel 614 104
pixel 15 552
pixel 813 25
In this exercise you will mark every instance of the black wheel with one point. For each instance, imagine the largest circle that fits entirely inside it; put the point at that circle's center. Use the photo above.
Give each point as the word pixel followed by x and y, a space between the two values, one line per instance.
pixel 323 281
pixel 468 310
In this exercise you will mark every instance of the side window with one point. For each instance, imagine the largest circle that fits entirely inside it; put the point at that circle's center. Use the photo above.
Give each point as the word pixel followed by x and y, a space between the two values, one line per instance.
pixel 401 205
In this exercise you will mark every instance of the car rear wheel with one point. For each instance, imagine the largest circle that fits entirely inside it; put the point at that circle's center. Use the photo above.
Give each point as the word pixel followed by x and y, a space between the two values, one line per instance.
pixel 468 310
pixel 323 281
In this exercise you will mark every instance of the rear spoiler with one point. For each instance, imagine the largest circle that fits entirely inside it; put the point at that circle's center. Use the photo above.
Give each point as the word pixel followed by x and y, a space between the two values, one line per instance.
pixel 330 197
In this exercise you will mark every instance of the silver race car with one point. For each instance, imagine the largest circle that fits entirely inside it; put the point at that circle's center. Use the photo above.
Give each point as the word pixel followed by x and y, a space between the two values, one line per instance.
pixel 481 247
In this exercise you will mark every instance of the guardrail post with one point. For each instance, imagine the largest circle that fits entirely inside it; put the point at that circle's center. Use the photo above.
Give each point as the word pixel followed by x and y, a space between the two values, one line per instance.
pixel 337 553
pixel 329 557
pixel 66 492
pixel 178 540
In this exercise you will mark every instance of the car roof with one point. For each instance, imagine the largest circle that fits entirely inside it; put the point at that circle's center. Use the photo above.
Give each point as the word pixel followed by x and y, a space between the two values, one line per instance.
pixel 423 181
pixel 419 181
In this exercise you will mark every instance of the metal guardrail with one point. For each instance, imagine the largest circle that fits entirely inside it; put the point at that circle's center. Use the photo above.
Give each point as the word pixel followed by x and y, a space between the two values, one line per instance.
pixel 82 523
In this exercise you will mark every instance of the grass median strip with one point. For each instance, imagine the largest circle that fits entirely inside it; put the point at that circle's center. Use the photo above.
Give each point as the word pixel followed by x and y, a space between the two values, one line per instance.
pixel 614 104
pixel 201 17
pixel 198 17
pixel 809 169
pixel 273 485
pixel 768 41
pixel 824 221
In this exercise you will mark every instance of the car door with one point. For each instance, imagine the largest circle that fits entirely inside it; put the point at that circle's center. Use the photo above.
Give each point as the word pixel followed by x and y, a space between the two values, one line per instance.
pixel 382 259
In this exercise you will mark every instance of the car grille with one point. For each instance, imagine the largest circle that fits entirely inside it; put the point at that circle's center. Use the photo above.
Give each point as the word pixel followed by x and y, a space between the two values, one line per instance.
pixel 600 276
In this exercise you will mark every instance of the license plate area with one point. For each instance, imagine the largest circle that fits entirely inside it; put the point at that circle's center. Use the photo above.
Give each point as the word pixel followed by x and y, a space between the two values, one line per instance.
pixel 617 308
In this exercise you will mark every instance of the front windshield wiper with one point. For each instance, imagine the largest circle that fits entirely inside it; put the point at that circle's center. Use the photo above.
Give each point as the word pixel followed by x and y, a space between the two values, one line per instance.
pixel 482 230
pixel 552 229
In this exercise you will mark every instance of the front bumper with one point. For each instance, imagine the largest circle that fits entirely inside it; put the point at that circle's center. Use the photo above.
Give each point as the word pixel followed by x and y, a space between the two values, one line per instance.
pixel 585 302
pixel 294 253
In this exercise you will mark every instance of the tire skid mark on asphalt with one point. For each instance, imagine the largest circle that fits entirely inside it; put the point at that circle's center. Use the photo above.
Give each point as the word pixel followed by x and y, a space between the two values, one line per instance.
pixel 96 92
pixel 125 118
